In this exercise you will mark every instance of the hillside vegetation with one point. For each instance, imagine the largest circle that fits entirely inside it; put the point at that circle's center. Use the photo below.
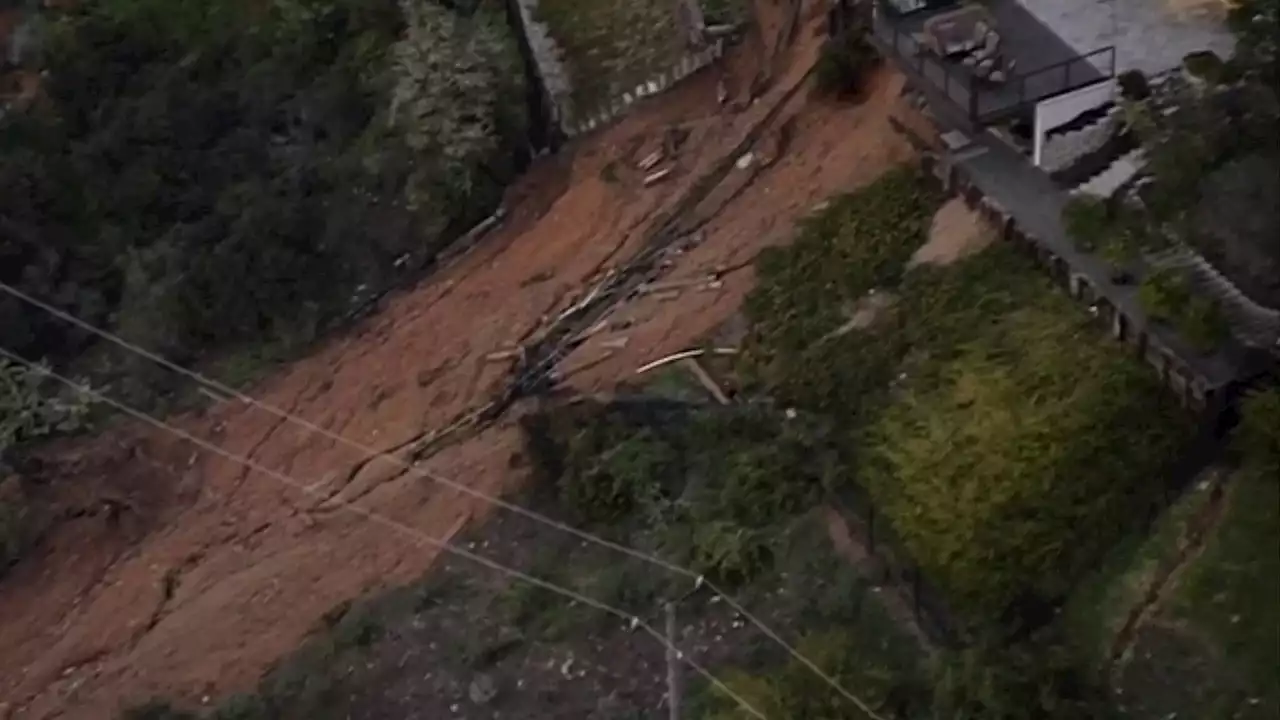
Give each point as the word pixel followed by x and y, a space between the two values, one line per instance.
pixel 1005 439
pixel 230 178
pixel 980 412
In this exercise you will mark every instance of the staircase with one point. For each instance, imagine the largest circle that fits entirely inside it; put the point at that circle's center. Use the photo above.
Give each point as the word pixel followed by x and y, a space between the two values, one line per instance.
pixel 1062 149
pixel 1121 171
pixel 1252 323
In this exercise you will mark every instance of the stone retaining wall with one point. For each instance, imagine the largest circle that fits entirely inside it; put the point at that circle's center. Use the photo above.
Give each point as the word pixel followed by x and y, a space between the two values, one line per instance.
pixel 687 65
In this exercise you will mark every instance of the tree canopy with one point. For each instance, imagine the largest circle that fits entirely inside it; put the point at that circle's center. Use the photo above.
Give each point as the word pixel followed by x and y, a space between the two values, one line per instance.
pixel 214 175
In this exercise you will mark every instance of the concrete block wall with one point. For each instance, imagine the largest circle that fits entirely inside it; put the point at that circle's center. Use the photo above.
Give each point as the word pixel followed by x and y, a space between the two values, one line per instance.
pixel 546 57
pixel 1192 389
pixel 685 66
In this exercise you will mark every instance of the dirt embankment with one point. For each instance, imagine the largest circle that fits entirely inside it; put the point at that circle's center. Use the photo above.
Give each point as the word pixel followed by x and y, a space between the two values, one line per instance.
pixel 216 571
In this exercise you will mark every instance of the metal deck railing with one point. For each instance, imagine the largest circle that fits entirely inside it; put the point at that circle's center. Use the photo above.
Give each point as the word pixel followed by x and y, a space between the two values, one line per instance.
pixel 984 102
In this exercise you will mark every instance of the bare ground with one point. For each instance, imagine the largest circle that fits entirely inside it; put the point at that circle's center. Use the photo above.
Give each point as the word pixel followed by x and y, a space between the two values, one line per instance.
pixel 957 231
pixel 217 571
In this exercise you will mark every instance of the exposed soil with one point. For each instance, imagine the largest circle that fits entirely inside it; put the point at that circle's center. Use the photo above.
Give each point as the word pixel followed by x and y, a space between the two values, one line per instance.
pixel 214 572
pixel 957 231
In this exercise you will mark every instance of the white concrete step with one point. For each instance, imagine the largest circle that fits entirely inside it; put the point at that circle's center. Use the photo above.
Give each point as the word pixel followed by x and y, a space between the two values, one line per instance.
pixel 1253 323
pixel 1123 169
pixel 1060 151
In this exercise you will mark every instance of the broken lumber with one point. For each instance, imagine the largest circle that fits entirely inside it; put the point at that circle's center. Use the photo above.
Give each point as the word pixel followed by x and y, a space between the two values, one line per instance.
pixel 652 159
pixel 501 355
pixel 705 379
pixel 657 177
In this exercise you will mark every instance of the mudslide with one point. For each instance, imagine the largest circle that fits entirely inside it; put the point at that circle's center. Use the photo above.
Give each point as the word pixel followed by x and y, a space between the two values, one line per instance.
pixel 213 572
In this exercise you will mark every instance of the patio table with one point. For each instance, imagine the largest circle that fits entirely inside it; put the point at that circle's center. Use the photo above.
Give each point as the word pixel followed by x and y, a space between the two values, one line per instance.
pixel 955 33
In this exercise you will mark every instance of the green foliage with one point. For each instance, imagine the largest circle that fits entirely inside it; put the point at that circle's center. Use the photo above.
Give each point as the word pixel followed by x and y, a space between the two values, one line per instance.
pixel 30 409
pixel 1087 220
pixel 1204 324
pixel 992 465
pixel 715 487
pixel 1228 596
pixel 1256 24
pixel 1119 234
pixel 1212 152
pixel 604 485
pixel 1166 295
pixel 844 63
pixel 456 80
pixel 986 416
pixel 608 48
pixel 1257 440
pixel 1038 678
pixel 795 691
pixel 856 244
pixel 218 176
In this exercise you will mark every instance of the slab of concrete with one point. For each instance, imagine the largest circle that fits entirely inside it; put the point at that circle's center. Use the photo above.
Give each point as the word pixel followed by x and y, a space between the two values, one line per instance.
pixel 1149 35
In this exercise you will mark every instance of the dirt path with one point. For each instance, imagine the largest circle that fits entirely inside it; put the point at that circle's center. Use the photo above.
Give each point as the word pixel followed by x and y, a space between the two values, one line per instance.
pixel 221 571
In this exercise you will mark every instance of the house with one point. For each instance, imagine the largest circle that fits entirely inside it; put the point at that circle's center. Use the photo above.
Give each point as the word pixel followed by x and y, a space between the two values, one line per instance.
pixel 1024 94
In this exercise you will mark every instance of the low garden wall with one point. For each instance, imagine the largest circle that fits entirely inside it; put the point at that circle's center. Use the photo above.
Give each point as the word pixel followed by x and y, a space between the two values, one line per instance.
pixel 1196 391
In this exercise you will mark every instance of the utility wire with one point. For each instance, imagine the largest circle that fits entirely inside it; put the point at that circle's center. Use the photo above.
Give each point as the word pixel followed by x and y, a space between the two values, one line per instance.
pixel 409 531
pixel 371 453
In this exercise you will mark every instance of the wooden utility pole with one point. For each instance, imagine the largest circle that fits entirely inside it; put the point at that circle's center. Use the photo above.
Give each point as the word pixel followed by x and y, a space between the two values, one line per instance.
pixel 673 666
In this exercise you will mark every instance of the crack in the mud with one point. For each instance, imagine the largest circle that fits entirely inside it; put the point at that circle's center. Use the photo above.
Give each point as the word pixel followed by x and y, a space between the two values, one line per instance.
pixel 545 345
pixel 1190 545
pixel 282 416
pixel 534 371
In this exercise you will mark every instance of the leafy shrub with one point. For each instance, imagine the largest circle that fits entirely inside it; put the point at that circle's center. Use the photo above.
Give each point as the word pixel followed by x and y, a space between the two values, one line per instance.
pixel 1040 679
pixel 605 487
pixel 844 63
pixel 1167 295
pixel 1134 85
pixel 988 419
pixel 218 176
pixel 1205 65
pixel 455 83
pixel 29 410
pixel 795 691
pixel 711 488
pixel 1014 430
pixel 1257 440
pixel 1087 221
pixel 857 243
pixel 1204 324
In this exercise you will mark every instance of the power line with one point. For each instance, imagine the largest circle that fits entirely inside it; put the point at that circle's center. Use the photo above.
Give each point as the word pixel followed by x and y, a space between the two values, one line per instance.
pixel 397 526
pixel 371 453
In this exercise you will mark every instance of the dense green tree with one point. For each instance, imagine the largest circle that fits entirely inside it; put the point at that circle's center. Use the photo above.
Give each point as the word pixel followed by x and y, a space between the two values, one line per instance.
pixel 212 176
pixel 1258 437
